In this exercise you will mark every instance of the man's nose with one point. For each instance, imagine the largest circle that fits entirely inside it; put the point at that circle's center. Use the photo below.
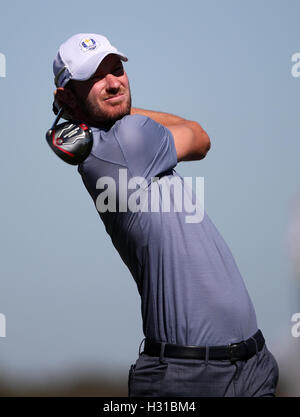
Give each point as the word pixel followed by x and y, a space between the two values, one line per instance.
pixel 112 82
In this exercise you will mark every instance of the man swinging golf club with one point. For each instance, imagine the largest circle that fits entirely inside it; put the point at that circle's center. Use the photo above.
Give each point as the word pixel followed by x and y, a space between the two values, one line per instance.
pixel 201 334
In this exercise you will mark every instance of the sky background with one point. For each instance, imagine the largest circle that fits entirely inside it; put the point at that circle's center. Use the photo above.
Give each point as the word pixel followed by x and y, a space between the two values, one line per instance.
pixel 68 299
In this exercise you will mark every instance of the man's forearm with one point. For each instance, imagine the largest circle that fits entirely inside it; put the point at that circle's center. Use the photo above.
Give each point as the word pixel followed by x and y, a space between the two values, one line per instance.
pixel 191 141
pixel 165 119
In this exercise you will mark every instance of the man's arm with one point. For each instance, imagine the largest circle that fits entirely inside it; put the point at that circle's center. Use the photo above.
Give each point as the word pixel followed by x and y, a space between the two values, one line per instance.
pixel 191 141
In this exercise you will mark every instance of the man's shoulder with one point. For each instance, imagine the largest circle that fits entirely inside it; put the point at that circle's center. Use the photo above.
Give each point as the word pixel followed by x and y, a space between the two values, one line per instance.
pixel 133 121
pixel 134 128
pixel 113 144
pixel 135 141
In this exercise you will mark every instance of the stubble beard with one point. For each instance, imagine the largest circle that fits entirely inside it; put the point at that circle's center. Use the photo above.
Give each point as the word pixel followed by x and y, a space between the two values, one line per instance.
pixel 99 117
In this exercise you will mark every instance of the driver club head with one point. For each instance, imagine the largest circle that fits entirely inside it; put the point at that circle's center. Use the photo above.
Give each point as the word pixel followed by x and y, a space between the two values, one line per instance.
pixel 70 141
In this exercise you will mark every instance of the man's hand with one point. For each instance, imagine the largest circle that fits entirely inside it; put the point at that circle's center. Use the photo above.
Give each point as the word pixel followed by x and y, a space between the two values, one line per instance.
pixel 56 106
pixel 191 142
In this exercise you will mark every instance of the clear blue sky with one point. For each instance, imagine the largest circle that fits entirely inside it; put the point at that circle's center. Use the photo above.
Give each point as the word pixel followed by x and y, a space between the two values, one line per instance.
pixel 67 296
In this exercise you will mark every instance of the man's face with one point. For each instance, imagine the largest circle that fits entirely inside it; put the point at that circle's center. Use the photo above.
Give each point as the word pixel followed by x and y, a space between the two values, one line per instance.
pixel 105 97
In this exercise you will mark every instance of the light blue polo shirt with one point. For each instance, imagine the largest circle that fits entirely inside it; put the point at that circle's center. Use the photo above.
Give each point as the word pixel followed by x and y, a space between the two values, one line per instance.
pixel 192 292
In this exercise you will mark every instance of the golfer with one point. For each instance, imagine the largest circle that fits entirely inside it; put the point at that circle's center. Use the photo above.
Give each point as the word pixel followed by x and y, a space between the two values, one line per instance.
pixel 201 333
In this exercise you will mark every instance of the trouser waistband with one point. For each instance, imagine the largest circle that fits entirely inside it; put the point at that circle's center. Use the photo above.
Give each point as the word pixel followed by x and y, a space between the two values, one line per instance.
pixel 235 351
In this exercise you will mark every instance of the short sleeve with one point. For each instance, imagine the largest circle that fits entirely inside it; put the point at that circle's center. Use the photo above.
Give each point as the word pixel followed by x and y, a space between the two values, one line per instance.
pixel 148 147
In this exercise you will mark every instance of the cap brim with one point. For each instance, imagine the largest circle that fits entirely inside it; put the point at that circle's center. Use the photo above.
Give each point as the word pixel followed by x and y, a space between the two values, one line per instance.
pixel 90 66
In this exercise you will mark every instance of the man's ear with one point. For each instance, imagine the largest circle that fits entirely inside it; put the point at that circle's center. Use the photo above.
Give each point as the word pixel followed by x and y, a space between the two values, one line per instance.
pixel 64 97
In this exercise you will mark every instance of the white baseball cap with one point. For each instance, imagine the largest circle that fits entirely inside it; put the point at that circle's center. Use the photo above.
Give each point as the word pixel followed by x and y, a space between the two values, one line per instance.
pixel 79 57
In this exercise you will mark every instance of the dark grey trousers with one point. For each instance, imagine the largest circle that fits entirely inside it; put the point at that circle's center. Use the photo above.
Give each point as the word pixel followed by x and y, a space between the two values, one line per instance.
pixel 167 377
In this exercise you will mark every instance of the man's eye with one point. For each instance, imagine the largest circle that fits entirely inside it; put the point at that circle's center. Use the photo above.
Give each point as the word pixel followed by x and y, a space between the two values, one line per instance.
pixel 117 72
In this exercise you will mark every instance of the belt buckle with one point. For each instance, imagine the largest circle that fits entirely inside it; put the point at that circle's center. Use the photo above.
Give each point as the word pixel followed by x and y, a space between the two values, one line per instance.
pixel 231 355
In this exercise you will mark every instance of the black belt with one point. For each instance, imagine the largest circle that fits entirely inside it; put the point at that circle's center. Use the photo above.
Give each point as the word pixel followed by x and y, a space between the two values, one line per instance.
pixel 235 351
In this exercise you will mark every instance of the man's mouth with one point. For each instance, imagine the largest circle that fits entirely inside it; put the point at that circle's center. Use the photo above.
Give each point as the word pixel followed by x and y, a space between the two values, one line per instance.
pixel 116 97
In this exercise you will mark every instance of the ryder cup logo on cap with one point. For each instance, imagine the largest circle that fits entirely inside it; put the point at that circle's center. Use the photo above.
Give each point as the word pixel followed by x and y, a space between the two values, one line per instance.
pixel 79 57
pixel 88 44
